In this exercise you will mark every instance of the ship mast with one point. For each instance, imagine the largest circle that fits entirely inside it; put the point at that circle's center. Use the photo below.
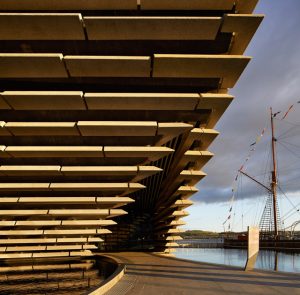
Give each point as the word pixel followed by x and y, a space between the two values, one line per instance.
pixel 273 186
pixel 274 176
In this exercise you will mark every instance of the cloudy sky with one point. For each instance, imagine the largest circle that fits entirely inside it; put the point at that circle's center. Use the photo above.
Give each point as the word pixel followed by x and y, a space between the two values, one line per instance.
pixel 271 79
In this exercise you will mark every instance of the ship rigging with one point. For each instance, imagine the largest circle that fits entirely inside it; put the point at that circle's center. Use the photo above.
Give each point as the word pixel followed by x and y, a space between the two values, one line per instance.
pixel 271 222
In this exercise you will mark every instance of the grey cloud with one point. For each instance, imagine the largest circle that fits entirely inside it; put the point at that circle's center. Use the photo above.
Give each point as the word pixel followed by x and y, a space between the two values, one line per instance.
pixel 271 79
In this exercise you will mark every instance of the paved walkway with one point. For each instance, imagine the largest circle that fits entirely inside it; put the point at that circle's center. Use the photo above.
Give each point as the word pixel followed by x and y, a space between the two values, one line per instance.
pixel 149 274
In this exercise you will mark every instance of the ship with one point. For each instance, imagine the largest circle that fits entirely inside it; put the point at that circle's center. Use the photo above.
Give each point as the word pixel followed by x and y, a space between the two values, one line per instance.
pixel 273 234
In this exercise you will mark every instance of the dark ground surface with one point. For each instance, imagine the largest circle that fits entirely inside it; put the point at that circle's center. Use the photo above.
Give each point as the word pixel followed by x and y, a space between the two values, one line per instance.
pixel 149 274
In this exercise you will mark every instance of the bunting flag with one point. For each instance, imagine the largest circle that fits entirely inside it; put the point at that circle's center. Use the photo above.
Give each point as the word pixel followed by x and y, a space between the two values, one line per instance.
pixel 287 112
pixel 228 218
pixel 290 108
pixel 253 145
pixel 231 202
pixel 234 184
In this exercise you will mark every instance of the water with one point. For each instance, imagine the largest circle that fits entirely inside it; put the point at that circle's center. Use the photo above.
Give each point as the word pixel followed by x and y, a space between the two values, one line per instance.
pixel 287 262
pixel 65 277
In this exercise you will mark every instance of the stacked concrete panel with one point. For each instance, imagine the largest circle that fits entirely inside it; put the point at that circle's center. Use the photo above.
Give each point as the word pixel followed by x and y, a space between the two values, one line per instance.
pixel 107 110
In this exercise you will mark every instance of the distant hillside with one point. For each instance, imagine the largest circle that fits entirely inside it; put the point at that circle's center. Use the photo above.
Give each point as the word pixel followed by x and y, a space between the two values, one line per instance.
pixel 196 234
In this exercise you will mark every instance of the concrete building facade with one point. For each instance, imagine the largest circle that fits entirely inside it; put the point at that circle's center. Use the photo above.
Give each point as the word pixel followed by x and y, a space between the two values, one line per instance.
pixel 108 108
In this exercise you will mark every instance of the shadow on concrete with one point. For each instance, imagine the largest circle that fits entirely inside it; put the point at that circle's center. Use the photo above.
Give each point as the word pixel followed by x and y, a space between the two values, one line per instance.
pixel 200 277
pixel 230 275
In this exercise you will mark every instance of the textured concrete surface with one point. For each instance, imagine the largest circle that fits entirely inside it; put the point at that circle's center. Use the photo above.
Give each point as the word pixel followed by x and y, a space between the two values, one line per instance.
pixel 149 274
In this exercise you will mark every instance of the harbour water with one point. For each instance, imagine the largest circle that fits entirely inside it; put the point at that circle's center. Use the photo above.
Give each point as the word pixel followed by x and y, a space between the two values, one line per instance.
pixel 267 260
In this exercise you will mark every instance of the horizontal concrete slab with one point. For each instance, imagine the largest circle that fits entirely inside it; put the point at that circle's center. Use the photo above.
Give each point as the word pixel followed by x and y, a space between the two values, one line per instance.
pixel 99 170
pixel 214 100
pixel 187 5
pixel 61 254
pixel 171 245
pixel 87 222
pixel 19 170
pixel 152 153
pixel 34 232
pixel 142 101
pixel 117 128
pixel 245 6
pixel 152 28
pixel 41 26
pixel 86 212
pixel 32 65
pixel 191 176
pixel 200 158
pixel 71 247
pixel 25 248
pixel 7 223
pixel 174 238
pixel 116 200
pixel 24 186
pixel 68 5
pixel 146 171
pixel 48 248
pixel 54 151
pixel 22 212
pixel 27 241
pixel 45 100
pixel 168 131
pixel 58 200
pixel 226 67
pixel 47 223
pixel 45 254
pixel 89 186
pixel 178 214
pixel 113 188
pixel 50 240
pixel 183 203
pixel 204 136
pixel 64 212
pixel 33 223
pixel 42 128
pixel 75 231
pixel 108 66
pixel 15 255
pixel 244 27
pixel 186 191
pixel 177 223
pixel 177 230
